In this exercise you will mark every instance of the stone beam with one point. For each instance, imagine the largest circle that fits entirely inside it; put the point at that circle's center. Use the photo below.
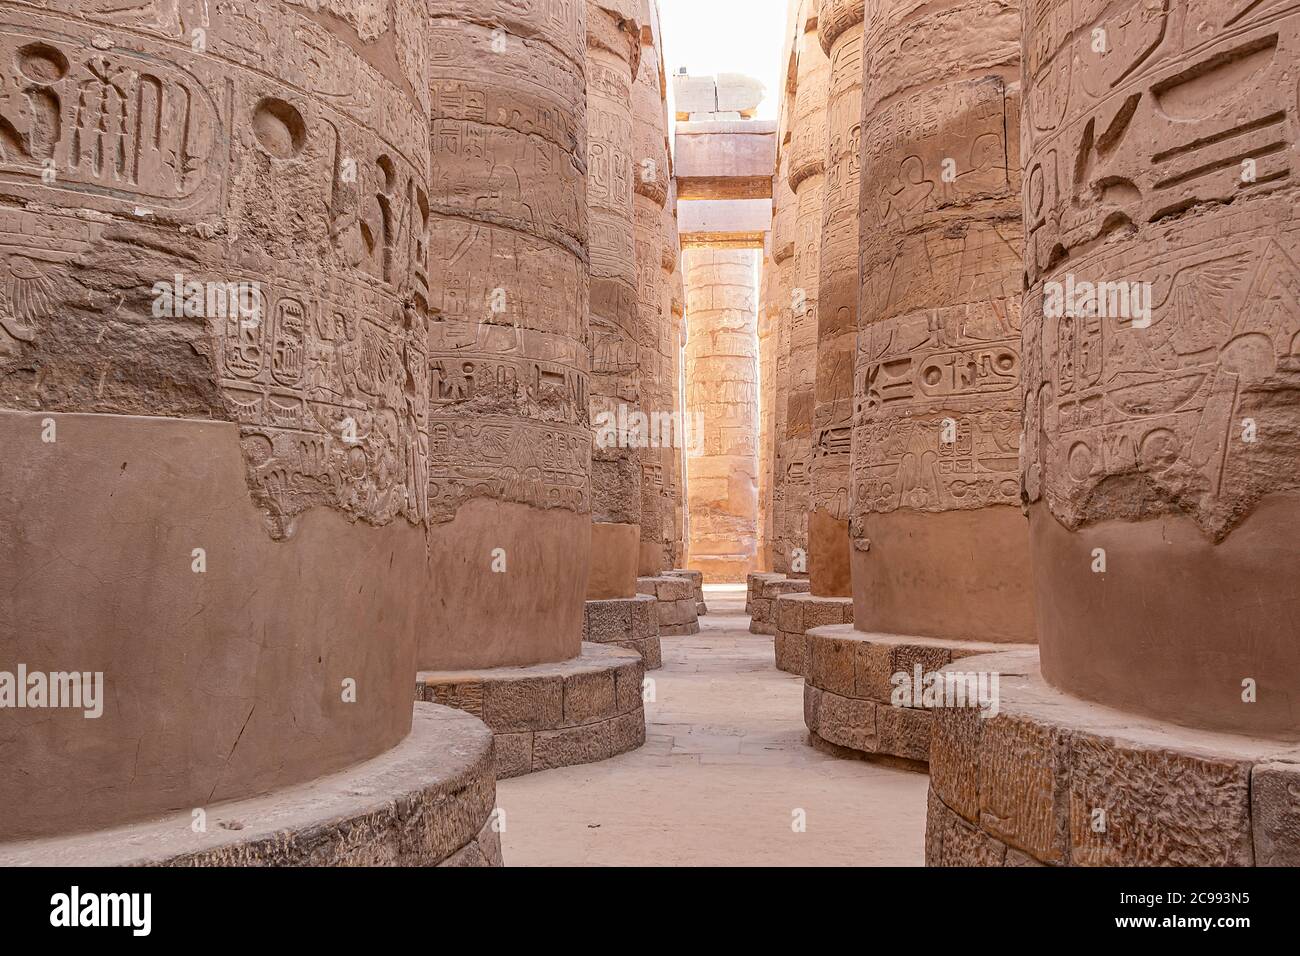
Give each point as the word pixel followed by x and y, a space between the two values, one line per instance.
pixel 725 223
pixel 725 160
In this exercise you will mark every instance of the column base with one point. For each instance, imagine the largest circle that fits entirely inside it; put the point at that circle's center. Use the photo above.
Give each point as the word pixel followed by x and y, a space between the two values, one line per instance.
pixel 849 688
pixel 697 582
pixel 762 615
pixel 551 715
pixel 1050 779
pixel 631 623
pixel 426 802
pixel 677 613
pixel 754 582
pixel 796 615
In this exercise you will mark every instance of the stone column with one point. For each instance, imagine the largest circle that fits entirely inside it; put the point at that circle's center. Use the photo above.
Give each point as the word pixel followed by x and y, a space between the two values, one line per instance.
pixel 677 344
pixel 213 309
pixel 767 324
pixel 655 255
pixel 940 546
pixel 784 540
pixel 940 567
pixel 509 429
pixel 807 178
pixel 840 34
pixel 1162 409
pixel 1162 413
pixel 722 394
pixel 613 37
pixel 511 437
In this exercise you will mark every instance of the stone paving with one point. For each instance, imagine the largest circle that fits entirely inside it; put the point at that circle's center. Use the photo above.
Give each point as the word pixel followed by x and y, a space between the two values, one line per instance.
pixel 725 767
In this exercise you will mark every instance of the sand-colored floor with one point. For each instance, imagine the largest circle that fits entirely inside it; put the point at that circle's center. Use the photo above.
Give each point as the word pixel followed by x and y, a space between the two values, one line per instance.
pixel 724 769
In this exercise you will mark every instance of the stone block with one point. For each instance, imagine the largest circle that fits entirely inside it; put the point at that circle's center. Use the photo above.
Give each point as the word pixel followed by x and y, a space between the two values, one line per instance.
pixel 904 731
pixel 588 697
pixel 525 703
pixel 1275 813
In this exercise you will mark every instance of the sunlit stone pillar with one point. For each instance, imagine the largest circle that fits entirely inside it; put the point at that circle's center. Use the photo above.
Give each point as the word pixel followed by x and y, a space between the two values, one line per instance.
pixel 840 34
pixel 940 569
pixel 613 38
pixel 784 541
pixel 511 438
pixel 767 324
pixel 940 545
pixel 509 428
pixel 722 394
pixel 213 409
pixel 1162 414
pixel 655 235
pixel 807 179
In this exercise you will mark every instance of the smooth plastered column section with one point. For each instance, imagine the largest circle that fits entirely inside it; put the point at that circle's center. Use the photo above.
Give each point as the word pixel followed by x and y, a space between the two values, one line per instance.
pixel 722 397
pixel 213 402
pixel 939 541
pixel 509 432
pixel 807 180
pixel 613 37
pixel 655 255
pixel 840 36
pixel 1161 420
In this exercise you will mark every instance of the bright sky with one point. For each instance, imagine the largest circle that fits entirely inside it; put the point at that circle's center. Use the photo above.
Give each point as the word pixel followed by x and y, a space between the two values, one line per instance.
pixel 726 36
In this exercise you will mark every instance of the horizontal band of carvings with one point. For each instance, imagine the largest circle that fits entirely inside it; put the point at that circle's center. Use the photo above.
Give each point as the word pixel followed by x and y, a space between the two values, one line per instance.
pixel 1053 779
pixel 551 715
pixel 426 801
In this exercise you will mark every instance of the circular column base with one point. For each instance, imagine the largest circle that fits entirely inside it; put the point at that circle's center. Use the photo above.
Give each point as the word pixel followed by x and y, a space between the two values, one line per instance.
pixel 754 582
pixel 796 615
pixel 631 623
pixel 762 615
pixel 697 582
pixel 1049 779
pixel 551 715
pixel 854 683
pixel 426 802
pixel 677 606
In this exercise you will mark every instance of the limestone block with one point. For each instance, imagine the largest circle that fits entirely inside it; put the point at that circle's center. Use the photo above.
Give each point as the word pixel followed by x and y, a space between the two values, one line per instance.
pixel 527 703
pixel 588 697
pixel 1275 813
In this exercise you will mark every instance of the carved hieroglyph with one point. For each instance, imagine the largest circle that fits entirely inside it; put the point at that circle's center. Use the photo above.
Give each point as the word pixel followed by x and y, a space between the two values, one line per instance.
pixel 509 431
pixel 722 395
pixel 213 237
pixel 784 536
pixel 613 53
pixel 807 180
pixel 677 344
pixel 655 256
pixel 936 423
pixel 1162 412
pixel 768 318
pixel 840 36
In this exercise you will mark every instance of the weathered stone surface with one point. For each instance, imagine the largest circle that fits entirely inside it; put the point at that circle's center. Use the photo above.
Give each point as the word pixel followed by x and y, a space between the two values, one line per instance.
pixel 508 332
pixel 1275 813
pixel 763 614
pixel 951 841
pixel 1065 782
pixel 209 422
pixel 613 35
pixel 549 715
pixel 1164 187
pixel 937 422
pixel 418 804
pixel 632 623
pixel 722 396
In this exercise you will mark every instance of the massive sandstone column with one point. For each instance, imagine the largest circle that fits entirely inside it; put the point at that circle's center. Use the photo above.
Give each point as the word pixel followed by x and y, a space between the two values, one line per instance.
pixel 767 324
pixel 1168 440
pixel 940 546
pixel 1159 462
pixel 722 394
pixel 783 243
pixel 839 31
pixel 508 345
pixel 613 37
pixel 807 178
pixel 940 566
pixel 510 433
pixel 214 383
pixel 655 255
